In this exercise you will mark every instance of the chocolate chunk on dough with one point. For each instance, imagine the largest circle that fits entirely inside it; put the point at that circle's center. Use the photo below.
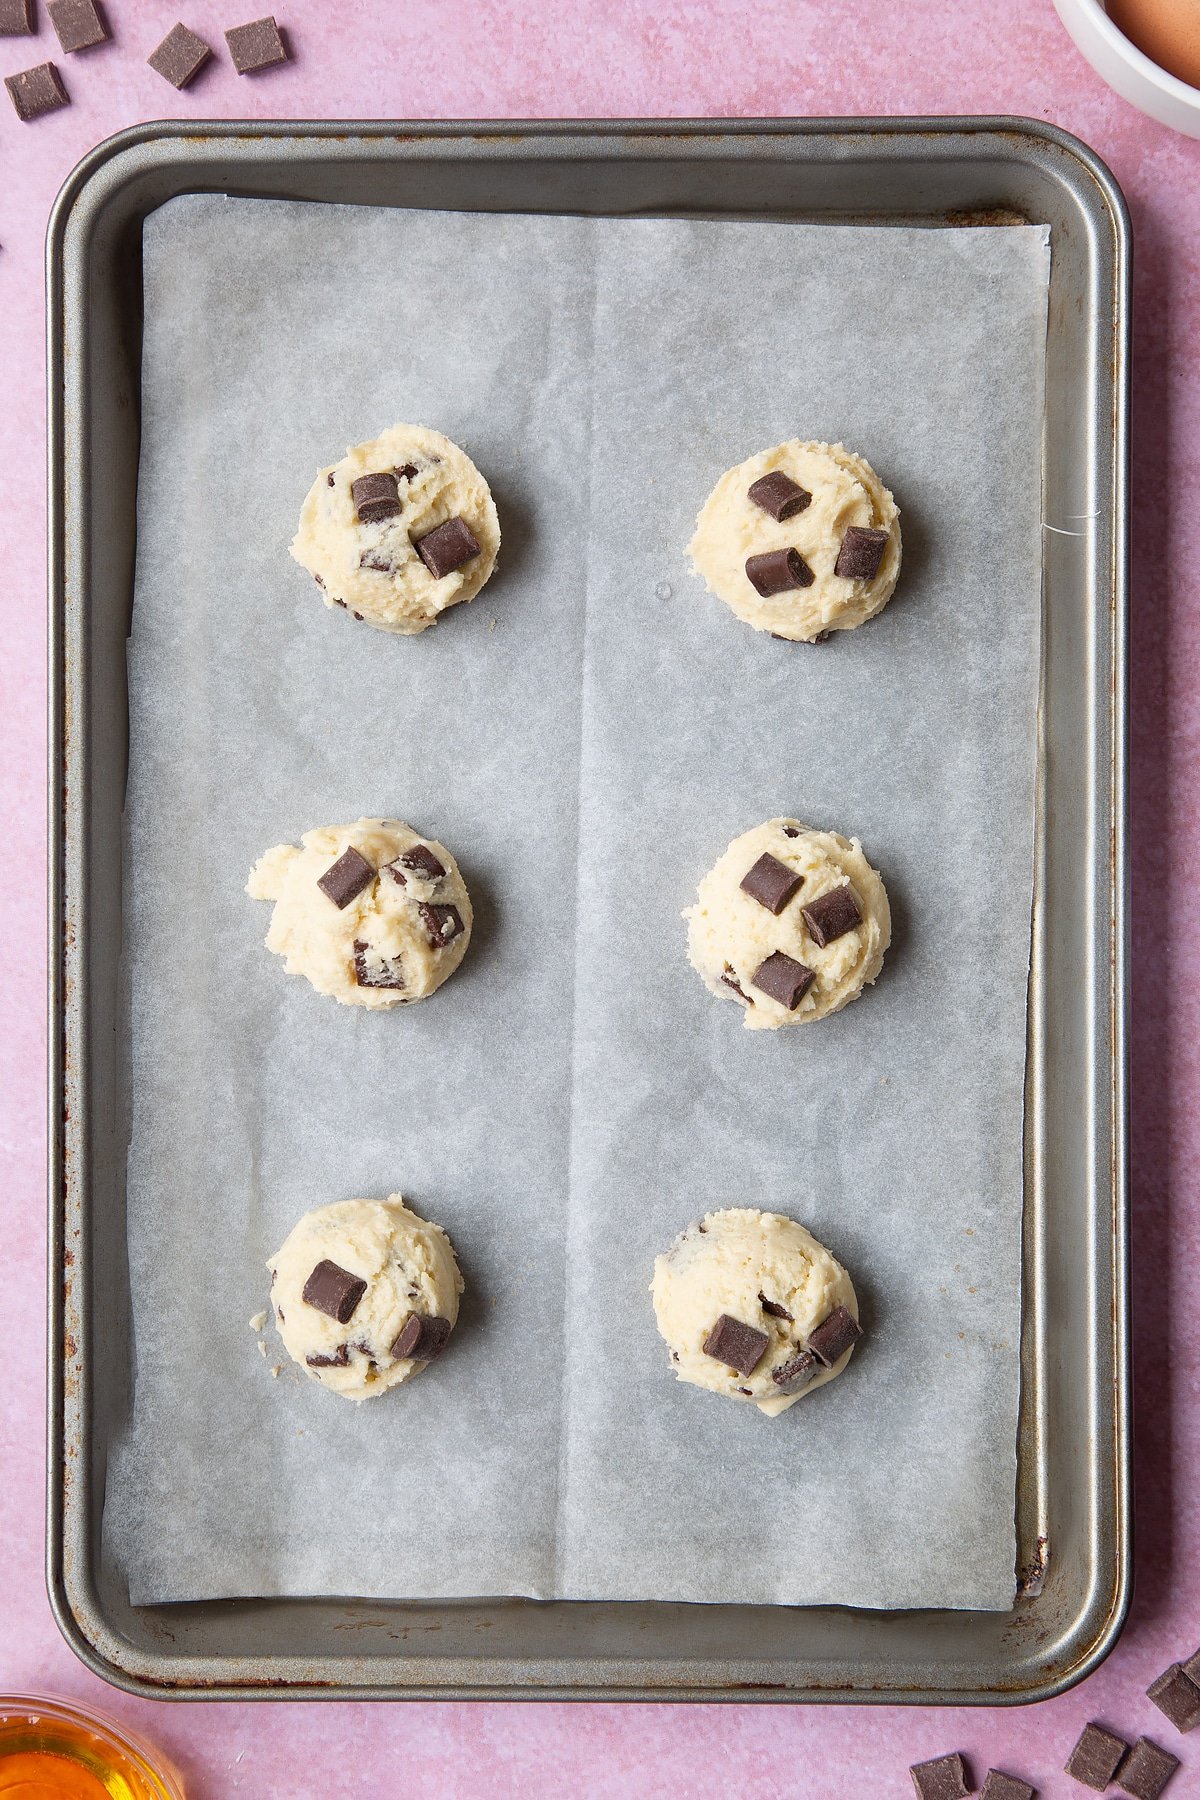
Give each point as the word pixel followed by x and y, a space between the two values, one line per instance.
pixel 861 553
pixel 832 915
pixel 334 1291
pixel 771 882
pixel 447 547
pixel 345 879
pixel 783 978
pixel 374 970
pixel 773 1308
pixel 442 923
pixel 796 1372
pixel 421 1338
pixel 375 497
pixel 339 1360
pixel 777 572
pixel 738 1345
pixel 834 1336
pixel 779 495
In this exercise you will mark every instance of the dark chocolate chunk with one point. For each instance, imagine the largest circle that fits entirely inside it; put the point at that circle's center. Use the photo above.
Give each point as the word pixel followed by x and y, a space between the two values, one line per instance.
pixel 861 553
pixel 442 923
pixel 773 1307
pixel 832 915
pixel 1177 1695
pixel 1191 1668
pixel 420 860
pixel 777 572
pixel 736 1344
pixel 35 92
pixel 771 883
pixel 779 495
pixel 16 18
pixel 372 970
pixel 422 1338
pixel 1146 1771
pixel 1094 1759
pixel 780 639
pixel 796 1372
pixel 834 1336
pixel 999 1786
pixel 256 46
pixel 334 1291
pixel 791 831
pixel 330 480
pixel 447 547
pixel 179 59
pixel 345 879
pixel 378 560
pixel 339 1360
pixel 783 978
pixel 731 981
pixel 79 24
pixel 407 473
pixel 941 1778
pixel 375 497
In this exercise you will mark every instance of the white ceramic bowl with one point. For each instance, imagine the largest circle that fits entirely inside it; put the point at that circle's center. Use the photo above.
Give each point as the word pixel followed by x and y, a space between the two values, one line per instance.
pixel 1127 70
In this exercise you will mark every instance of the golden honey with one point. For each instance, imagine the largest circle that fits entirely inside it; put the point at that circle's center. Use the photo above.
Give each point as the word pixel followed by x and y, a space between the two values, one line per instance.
pixel 52 1751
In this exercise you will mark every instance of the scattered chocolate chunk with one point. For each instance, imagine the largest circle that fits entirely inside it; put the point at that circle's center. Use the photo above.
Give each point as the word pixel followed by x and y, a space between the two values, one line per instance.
pixel 447 547
pixel 731 981
pixel 16 18
pixel 941 1778
pixel 338 602
pixel 373 970
pixel 320 580
pixel 256 46
pixel 784 979
pixel 375 497
pixel 737 1345
pixel 442 923
pixel 796 1372
pixel 748 1391
pixel 832 915
pixel 861 553
pixel 778 571
pixel 422 1338
pixel 791 831
pixel 1094 1759
pixel 1177 1695
pixel 345 879
pixel 329 479
pixel 179 59
pixel 334 1291
pixel 420 860
pixel 834 1336
pixel 771 883
pixel 773 1307
pixel 999 1786
pixel 779 495
pixel 1146 1771
pixel 35 92
pixel 339 1360
pixel 79 24
pixel 378 560
pixel 408 473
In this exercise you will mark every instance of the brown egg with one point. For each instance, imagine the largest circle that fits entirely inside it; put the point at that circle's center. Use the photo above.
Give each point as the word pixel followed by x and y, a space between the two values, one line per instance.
pixel 1167 31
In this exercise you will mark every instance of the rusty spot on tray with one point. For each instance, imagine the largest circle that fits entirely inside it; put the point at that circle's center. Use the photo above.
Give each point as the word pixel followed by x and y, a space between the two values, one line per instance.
pixel 1031 1579
pixel 70 1346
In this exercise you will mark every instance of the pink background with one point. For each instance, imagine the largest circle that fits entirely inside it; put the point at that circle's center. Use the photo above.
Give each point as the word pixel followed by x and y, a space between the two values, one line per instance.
pixel 531 58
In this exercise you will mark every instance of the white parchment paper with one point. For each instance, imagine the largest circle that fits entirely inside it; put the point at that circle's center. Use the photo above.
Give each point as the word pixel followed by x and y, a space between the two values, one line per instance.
pixel 587 737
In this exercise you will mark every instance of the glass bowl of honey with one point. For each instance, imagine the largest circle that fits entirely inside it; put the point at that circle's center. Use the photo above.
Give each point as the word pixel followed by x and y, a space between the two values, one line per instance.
pixel 59 1750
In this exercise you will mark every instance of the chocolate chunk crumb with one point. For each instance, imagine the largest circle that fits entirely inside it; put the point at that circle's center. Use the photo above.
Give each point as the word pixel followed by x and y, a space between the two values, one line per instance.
pixel 421 1338
pixel 1094 1759
pixel 861 553
pixel 179 59
pixel 834 1336
pixel 334 1290
pixel 1146 1771
pixel 777 572
pixel 420 860
pixel 339 1360
pixel 78 24
pixel 771 882
pixel 345 879
pixel 373 970
pixel 738 1345
pixel 407 473
pixel 832 915
pixel 1177 1695
pixel 375 497
pixel 329 478
pixel 796 1372
pixel 999 1786
pixel 256 46
pixel 773 1307
pixel 16 18
pixel 377 560
pixel 442 923
pixel 784 979
pixel 779 495
pixel 791 831
pixel 731 981
pixel 941 1778
pixel 447 547
pixel 35 92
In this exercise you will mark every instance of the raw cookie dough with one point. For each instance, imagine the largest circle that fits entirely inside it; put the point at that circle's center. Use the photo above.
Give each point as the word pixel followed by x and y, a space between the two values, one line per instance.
pixel 371 913
pixel 754 944
pixel 361 544
pixel 759 1288
pixel 845 497
pixel 382 1290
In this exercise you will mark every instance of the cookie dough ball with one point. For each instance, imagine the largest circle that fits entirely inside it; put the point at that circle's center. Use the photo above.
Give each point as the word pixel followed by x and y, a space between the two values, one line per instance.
pixel 754 1307
pixel 800 541
pixel 365 1294
pixel 399 530
pixel 791 924
pixel 372 913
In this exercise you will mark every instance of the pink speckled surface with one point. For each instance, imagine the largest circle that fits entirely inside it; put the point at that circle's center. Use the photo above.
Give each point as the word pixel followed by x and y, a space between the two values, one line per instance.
pixel 529 58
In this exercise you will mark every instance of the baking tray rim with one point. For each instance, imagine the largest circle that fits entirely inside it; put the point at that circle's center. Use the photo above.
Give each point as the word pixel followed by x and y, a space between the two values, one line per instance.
pixel 100 1652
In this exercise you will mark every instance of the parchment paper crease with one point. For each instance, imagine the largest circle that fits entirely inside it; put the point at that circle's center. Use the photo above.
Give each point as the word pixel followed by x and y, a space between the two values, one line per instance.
pixel 587 737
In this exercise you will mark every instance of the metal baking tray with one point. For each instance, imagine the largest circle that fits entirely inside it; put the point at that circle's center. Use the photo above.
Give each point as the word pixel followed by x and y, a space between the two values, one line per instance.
pixel 1073 1494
